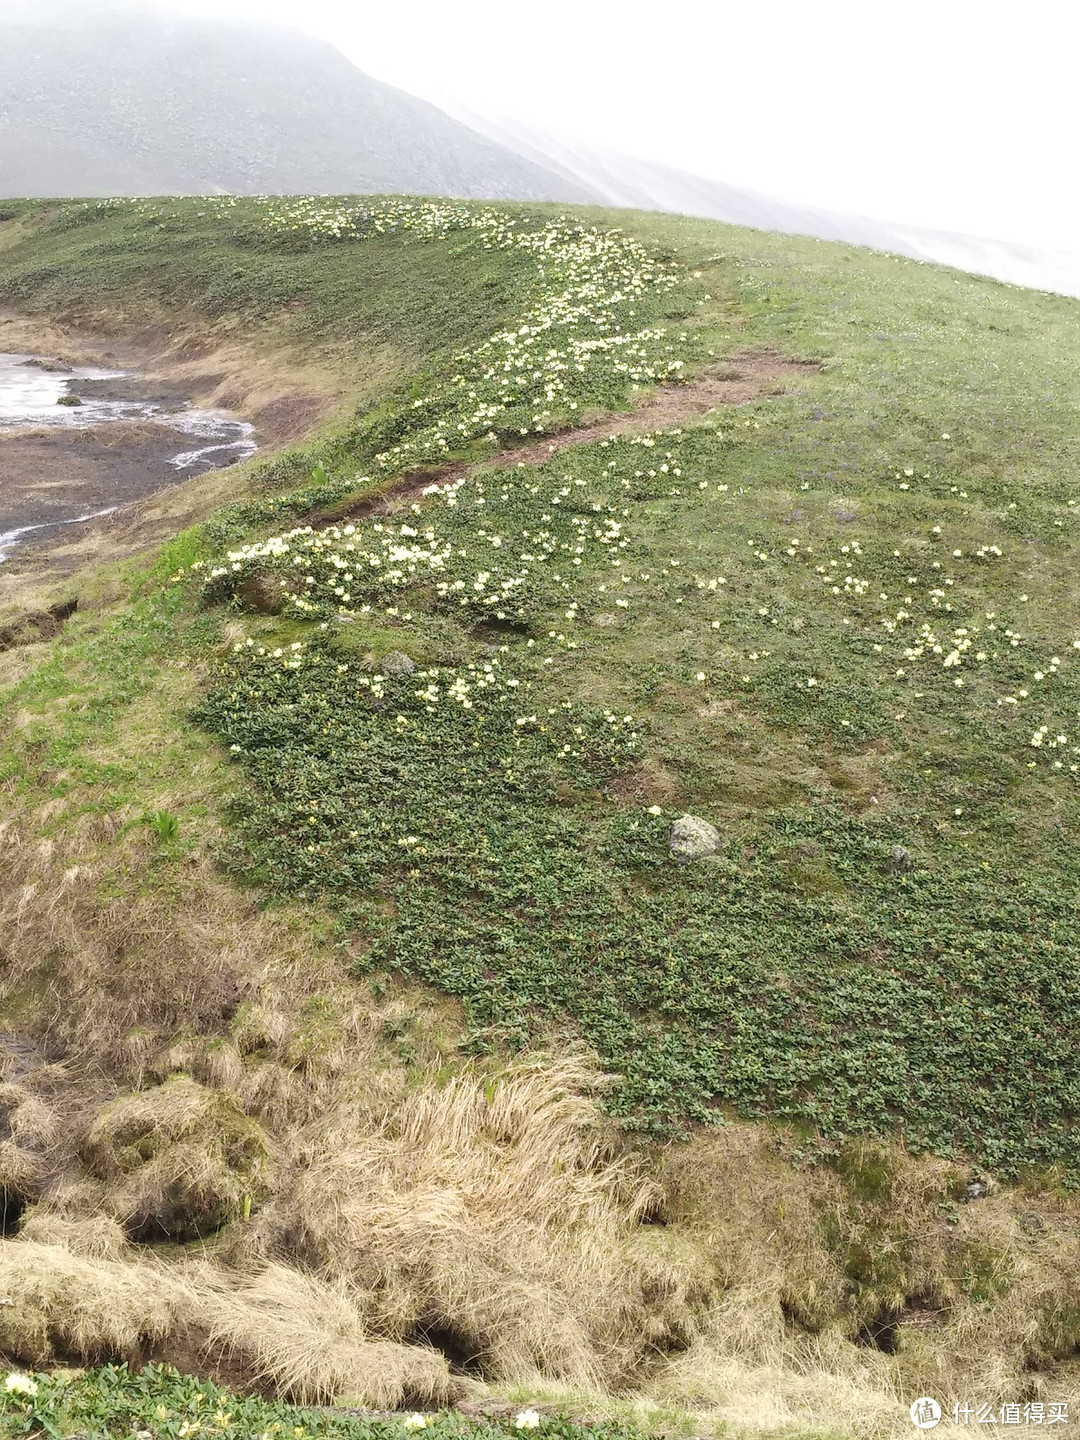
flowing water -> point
(57, 464)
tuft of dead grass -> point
(305, 1338)
(93, 1236)
(292, 1332)
(179, 1160)
(490, 1212)
(66, 1305)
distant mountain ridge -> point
(106, 99)
(109, 97)
(625, 181)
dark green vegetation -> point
(115, 1402)
(849, 626)
(164, 261)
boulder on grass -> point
(692, 838)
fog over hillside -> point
(644, 185)
(114, 98)
(104, 99)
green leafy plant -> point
(164, 824)
(114, 1402)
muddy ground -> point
(51, 475)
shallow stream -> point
(78, 442)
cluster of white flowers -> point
(574, 341)
(495, 573)
(19, 1384)
(484, 687)
(524, 1420)
(916, 623)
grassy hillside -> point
(326, 824)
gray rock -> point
(975, 1191)
(692, 838)
(900, 858)
(69, 400)
(397, 663)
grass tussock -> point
(306, 1338)
(280, 1330)
(71, 1306)
(179, 1160)
(411, 1214)
(98, 969)
(492, 1212)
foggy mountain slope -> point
(106, 99)
(623, 180)
(112, 98)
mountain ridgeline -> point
(116, 98)
(105, 100)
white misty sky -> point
(954, 114)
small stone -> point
(900, 858)
(69, 400)
(692, 838)
(975, 1191)
(397, 663)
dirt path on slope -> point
(731, 382)
(736, 381)
(31, 586)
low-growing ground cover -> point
(154, 263)
(870, 683)
(454, 732)
(115, 1402)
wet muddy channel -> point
(78, 442)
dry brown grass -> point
(66, 1304)
(178, 1160)
(492, 1211)
(94, 970)
(167, 1052)
(306, 1338)
(69, 1301)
